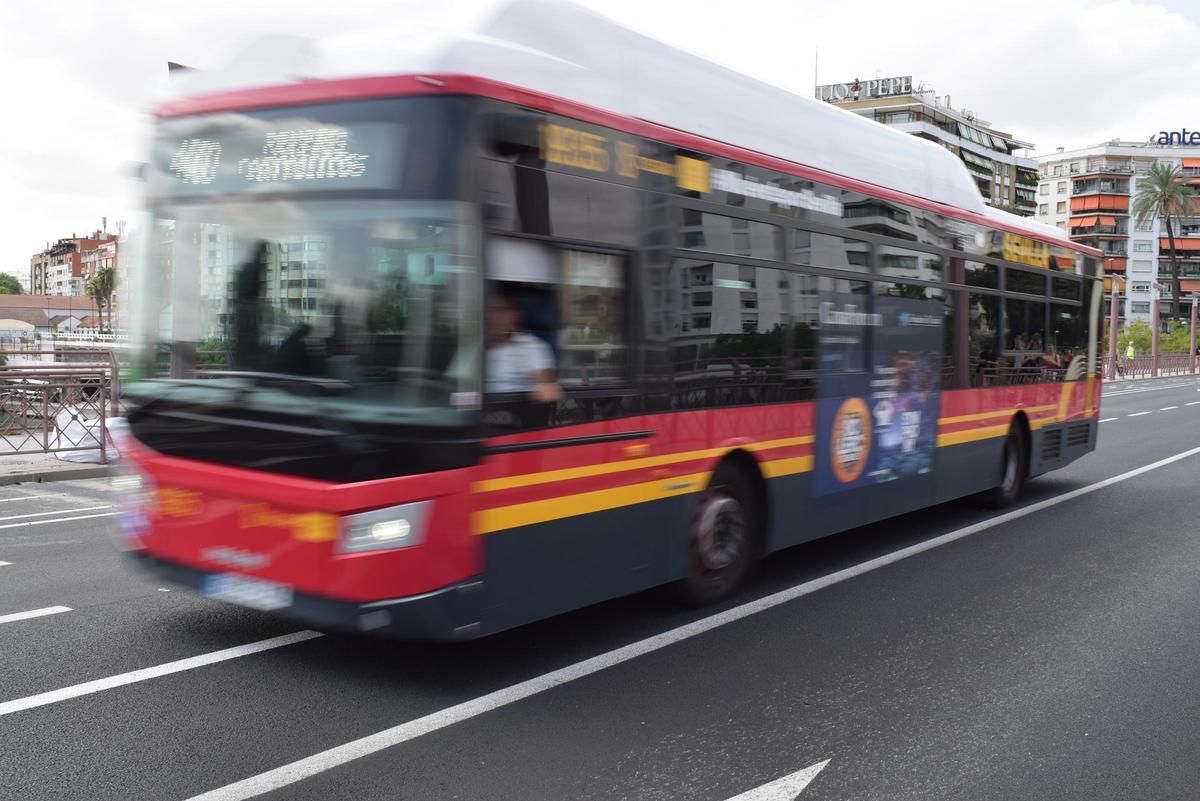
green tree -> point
(100, 288)
(1163, 192)
(9, 285)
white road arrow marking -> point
(784, 789)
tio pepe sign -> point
(865, 90)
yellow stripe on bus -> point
(587, 471)
(526, 514)
(972, 435)
(582, 503)
(987, 415)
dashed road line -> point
(5, 564)
(49, 610)
(30, 497)
(166, 669)
(307, 767)
(57, 520)
(1168, 408)
(1109, 419)
(1191, 403)
(56, 512)
(1138, 414)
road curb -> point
(59, 474)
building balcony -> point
(1102, 186)
(1098, 226)
(1185, 247)
(1118, 204)
(1105, 166)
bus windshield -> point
(317, 252)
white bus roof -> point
(558, 48)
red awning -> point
(1083, 222)
(1191, 162)
(1180, 243)
(1189, 284)
(1108, 220)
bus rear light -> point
(385, 529)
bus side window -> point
(984, 339)
(572, 302)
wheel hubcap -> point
(720, 532)
(1010, 467)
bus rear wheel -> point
(722, 538)
(1014, 469)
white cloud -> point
(79, 75)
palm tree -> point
(100, 289)
(1164, 192)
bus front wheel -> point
(721, 538)
(1014, 468)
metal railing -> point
(51, 406)
(1150, 366)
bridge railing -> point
(57, 406)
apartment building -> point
(1089, 193)
(59, 268)
(1003, 169)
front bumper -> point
(448, 613)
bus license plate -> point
(254, 593)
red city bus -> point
(434, 355)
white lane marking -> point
(56, 512)
(348, 752)
(5, 564)
(1138, 414)
(1146, 389)
(1108, 419)
(49, 610)
(30, 497)
(165, 669)
(57, 520)
(783, 789)
(1168, 408)
(1191, 403)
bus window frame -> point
(627, 386)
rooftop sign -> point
(865, 90)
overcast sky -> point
(79, 75)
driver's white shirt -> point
(511, 364)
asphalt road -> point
(950, 654)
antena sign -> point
(864, 90)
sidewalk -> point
(21, 468)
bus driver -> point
(517, 361)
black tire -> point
(723, 536)
(1014, 469)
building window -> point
(1060, 187)
(1143, 247)
(1139, 287)
(1061, 208)
(1043, 209)
(1141, 307)
(1044, 189)
(1148, 225)
(1142, 265)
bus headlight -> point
(384, 529)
